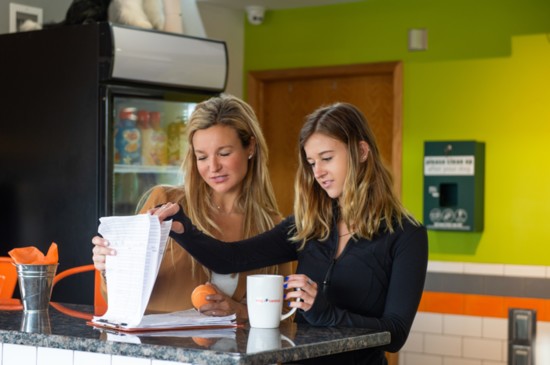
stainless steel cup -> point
(36, 322)
(35, 285)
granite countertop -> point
(245, 345)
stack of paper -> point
(196, 334)
(188, 319)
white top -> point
(226, 283)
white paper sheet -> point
(139, 241)
(190, 319)
(113, 335)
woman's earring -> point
(250, 156)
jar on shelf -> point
(127, 138)
(155, 142)
(176, 141)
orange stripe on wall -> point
(481, 305)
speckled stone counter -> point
(288, 343)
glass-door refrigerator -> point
(92, 117)
(148, 145)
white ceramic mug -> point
(266, 339)
(265, 300)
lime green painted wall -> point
(485, 77)
(504, 102)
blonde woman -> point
(362, 257)
(228, 195)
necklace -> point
(345, 234)
(220, 210)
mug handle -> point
(284, 338)
(286, 315)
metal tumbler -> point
(35, 285)
(36, 322)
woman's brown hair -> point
(368, 197)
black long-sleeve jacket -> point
(374, 283)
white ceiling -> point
(274, 4)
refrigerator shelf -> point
(141, 169)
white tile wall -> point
(526, 271)
(542, 349)
(419, 359)
(90, 358)
(18, 355)
(415, 342)
(504, 356)
(11, 354)
(485, 349)
(426, 322)
(445, 339)
(462, 325)
(49, 356)
(445, 266)
(495, 328)
(460, 361)
(123, 360)
(442, 345)
(465, 340)
(484, 269)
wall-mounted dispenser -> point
(522, 331)
(454, 185)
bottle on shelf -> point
(127, 138)
(176, 140)
(144, 124)
(156, 142)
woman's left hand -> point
(220, 305)
(305, 291)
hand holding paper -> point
(167, 210)
(140, 242)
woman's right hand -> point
(165, 211)
(100, 251)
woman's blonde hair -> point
(367, 198)
(256, 200)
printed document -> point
(140, 241)
(212, 335)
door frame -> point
(258, 79)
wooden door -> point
(282, 99)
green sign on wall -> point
(454, 185)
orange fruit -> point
(204, 342)
(198, 296)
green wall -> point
(485, 77)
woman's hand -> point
(220, 305)
(305, 291)
(100, 251)
(165, 211)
